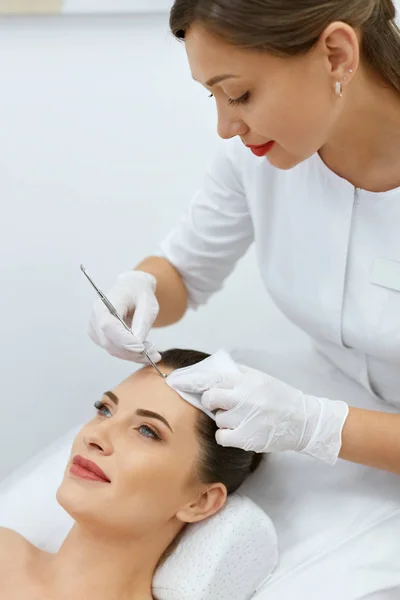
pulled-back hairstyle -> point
(230, 466)
(290, 27)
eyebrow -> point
(141, 412)
(218, 78)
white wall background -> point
(103, 140)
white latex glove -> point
(259, 413)
(133, 292)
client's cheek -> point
(190, 482)
(168, 485)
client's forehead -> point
(147, 389)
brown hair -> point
(290, 27)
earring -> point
(339, 85)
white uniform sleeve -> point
(214, 233)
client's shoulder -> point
(18, 559)
(8, 536)
(13, 545)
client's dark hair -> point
(230, 466)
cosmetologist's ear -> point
(341, 45)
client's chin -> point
(82, 498)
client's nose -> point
(99, 442)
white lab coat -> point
(329, 255)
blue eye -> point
(102, 409)
(150, 433)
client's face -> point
(143, 438)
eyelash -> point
(236, 101)
(99, 406)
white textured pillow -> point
(227, 557)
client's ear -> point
(209, 502)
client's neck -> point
(91, 564)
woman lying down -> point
(146, 466)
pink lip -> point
(261, 150)
(87, 469)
